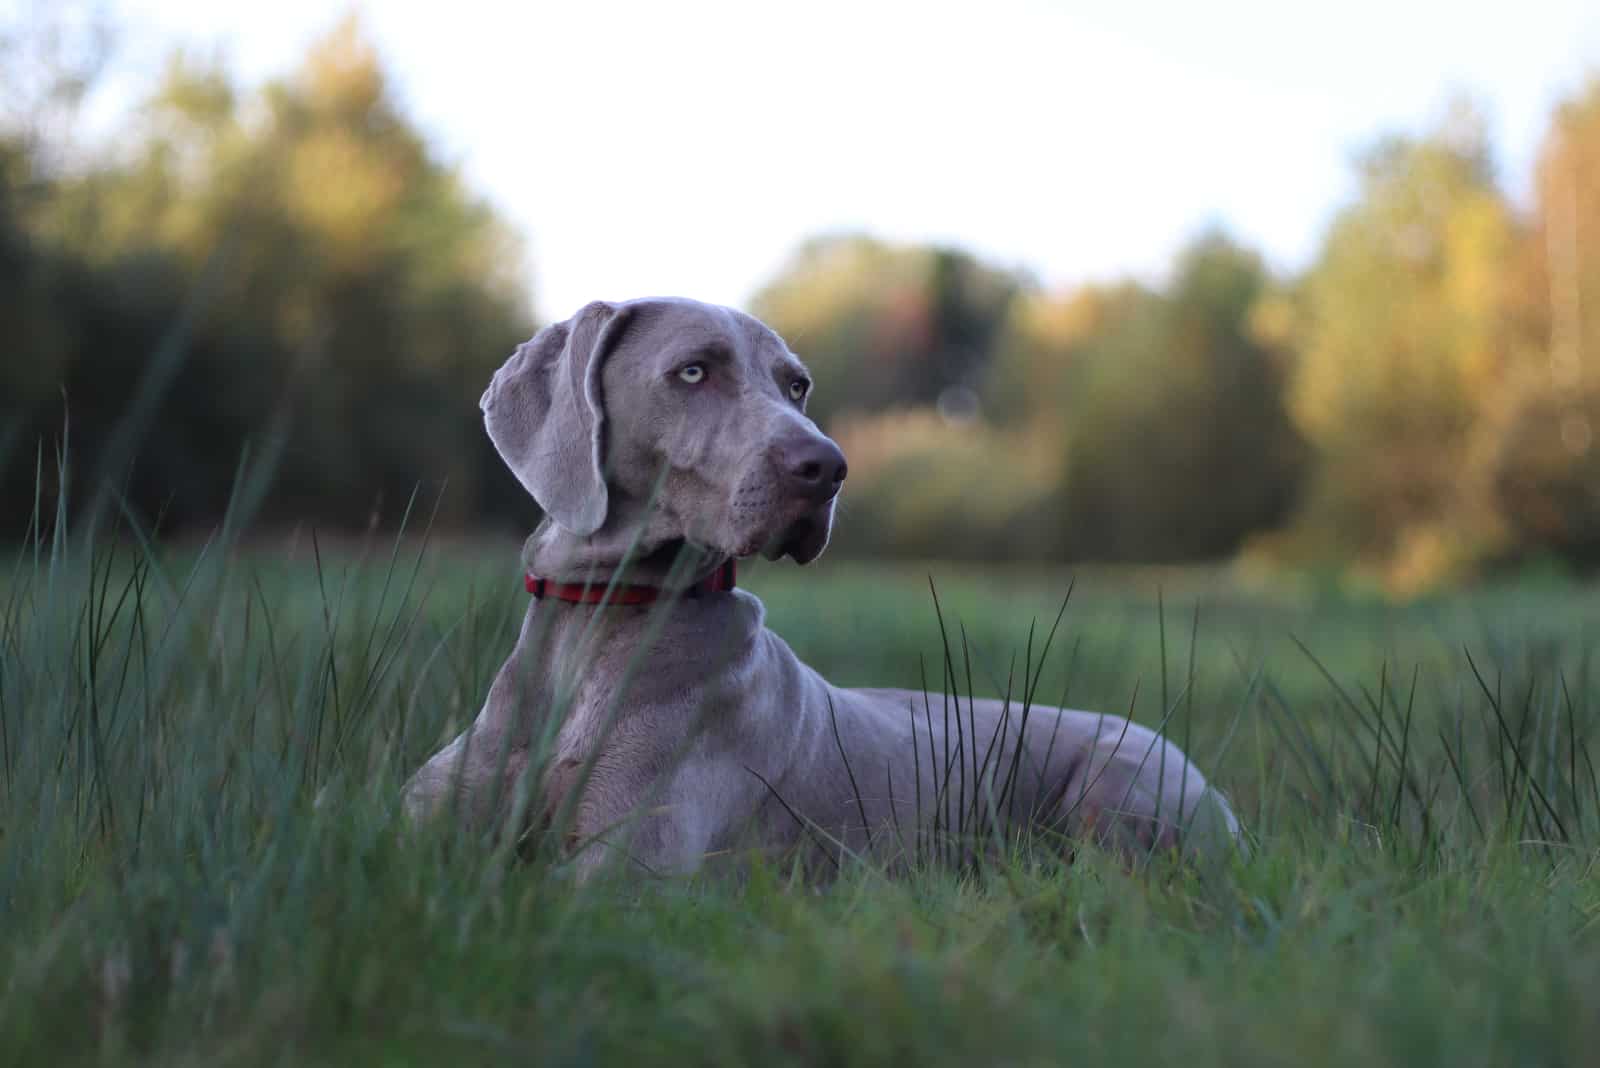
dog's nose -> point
(815, 468)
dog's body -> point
(663, 437)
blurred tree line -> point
(1421, 402)
(292, 268)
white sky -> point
(687, 147)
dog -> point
(645, 699)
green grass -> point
(1419, 892)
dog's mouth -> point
(803, 539)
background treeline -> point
(1421, 403)
(292, 269)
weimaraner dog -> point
(664, 438)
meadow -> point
(200, 861)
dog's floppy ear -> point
(544, 414)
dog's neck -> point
(628, 554)
(673, 635)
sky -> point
(689, 147)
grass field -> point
(1418, 782)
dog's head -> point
(685, 418)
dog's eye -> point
(694, 374)
(798, 389)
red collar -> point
(719, 581)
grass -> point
(1418, 781)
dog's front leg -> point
(476, 775)
(624, 828)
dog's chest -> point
(602, 750)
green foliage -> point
(1546, 478)
(291, 267)
(1562, 254)
(1542, 437)
(1402, 342)
(1416, 404)
(886, 326)
(1116, 424)
(200, 861)
(1178, 446)
(923, 486)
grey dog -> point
(667, 437)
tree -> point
(1544, 457)
(317, 266)
(1402, 342)
(886, 326)
(1168, 405)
